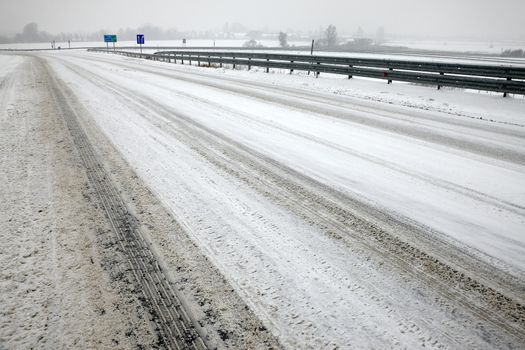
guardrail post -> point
(249, 63)
(220, 63)
(291, 69)
(198, 60)
(317, 73)
(267, 67)
(182, 59)
(389, 80)
(233, 62)
(189, 58)
(209, 61)
(505, 93)
(311, 62)
(439, 86)
(349, 75)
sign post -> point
(311, 53)
(110, 38)
(140, 41)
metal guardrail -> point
(497, 78)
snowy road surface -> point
(345, 214)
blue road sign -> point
(140, 39)
(110, 38)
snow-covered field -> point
(490, 47)
(288, 183)
(463, 49)
(446, 45)
(155, 43)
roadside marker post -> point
(140, 41)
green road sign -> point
(110, 38)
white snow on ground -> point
(347, 170)
(401, 97)
(55, 291)
(293, 276)
(8, 63)
(350, 167)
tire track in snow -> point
(430, 236)
(173, 324)
(465, 191)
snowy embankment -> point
(449, 161)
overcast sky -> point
(444, 18)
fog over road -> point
(255, 211)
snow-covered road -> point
(396, 222)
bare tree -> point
(331, 35)
(31, 34)
(252, 44)
(283, 39)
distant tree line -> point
(324, 38)
(31, 34)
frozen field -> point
(338, 213)
(490, 47)
(155, 43)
